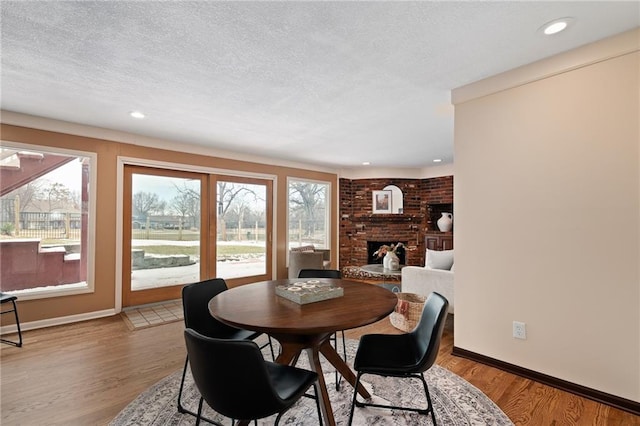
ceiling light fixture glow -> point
(555, 26)
(437, 160)
(137, 114)
(366, 163)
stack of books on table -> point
(309, 291)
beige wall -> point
(547, 208)
(103, 299)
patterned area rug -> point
(456, 402)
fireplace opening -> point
(373, 246)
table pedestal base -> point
(313, 346)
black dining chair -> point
(10, 298)
(195, 304)
(403, 355)
(328, 273)
(236, 381)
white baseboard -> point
(57, 321)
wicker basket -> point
(408, 311)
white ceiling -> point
(328, 83)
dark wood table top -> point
(257, 307)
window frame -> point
(89, 286)
(328, 209)
(124, 160)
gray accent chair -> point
(299, 260)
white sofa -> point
(427, 279)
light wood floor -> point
(85, 373)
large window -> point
(309, 216)
(45, 221)
(182, 227)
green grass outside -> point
(195, 251)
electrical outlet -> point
(519, 330)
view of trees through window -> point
(308, 213)
(45, 204)
(166, 239)
(165, 203)
(242, 229)
(165, 230)
(44, 218)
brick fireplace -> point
(424, 201)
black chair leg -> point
(183, 410)
(355, 396)
(15, 313)
(426, 391)
(273, 356)
(344, 352)
(270, 344)
(199, 411)
(424, 411)
(277, 422)
(334, 339)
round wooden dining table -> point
(305, 327)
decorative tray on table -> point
(309, 291)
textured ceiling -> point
(330, 83)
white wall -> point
(547, 207)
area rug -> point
(456, 402)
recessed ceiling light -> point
(137, 114)
(556, 26)
(437, 160)
(365, 163)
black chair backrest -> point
(195, 303)
(319, 273)
(232, 376)
(428, 332)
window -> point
(243, 217)
(45, 221)
(309, 213)
(165, 234)
(185, 226)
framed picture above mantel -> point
(381, 201)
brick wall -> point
(424, 200)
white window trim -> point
(89, 286)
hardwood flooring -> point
(85, 373)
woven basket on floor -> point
(408, 311)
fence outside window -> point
(43, 225)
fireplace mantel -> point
(393, 218)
